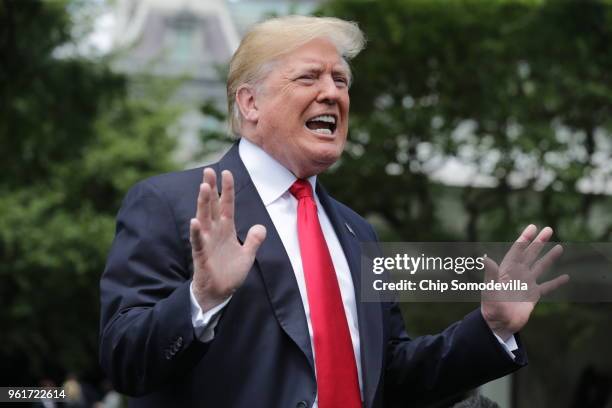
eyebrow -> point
(318, 67)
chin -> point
(325, 158)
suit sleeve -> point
(146, 333)
(428, 368)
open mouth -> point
(323, 124)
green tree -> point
(73, 141)
(519, 91)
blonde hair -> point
(268, 41)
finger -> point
(491, 273)
(528, 233)
(227, 194)
(535, 247)
(210, 177)
(195, 236)
(203, 209)
(522, 241)
(491, 270)
(544, 263)
(254, 238)
(553, 284)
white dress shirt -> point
(272, 182)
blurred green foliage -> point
(519, 91)
(72, 142)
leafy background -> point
(521, 91)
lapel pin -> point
(348, 227)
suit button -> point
(302, 404)
(179, 341)
(168, 354)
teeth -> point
(324, 118)
(323, 131)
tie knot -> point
(301, 189)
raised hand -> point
(506, 313)
(220, 262)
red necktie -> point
(337, 382)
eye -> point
(341, 81)
(307, 78)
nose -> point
(329, 92)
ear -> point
(245, 100)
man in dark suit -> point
(236, 285)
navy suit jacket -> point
(261, 354)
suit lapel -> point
(369, 313)
(279, 279)
(272, 259)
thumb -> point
(491, 273)
(254, 238)
(491, 270)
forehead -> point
(318, 54)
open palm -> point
(220, 261)
(506, 312)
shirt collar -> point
(271, 179)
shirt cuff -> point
(204, 323)
(509, 345)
